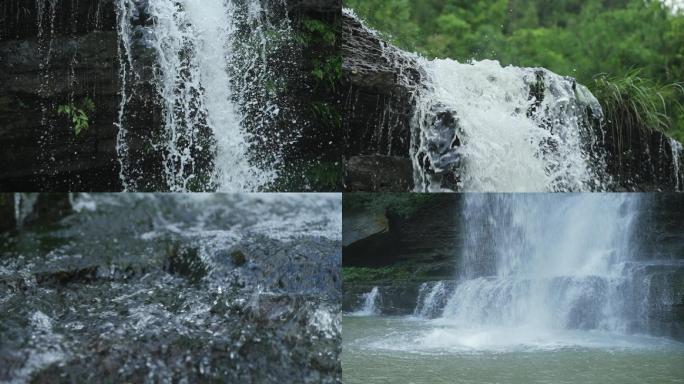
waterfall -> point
(23, 207)
(555, 262)
(203, 61)
(431, 299)
(369, 306)
(483, 127)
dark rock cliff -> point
(52, 53)
(379, 81)
(57, 53)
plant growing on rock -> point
(78, 114)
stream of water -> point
(505, 129)
(210, 73)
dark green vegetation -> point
(78, 114)
(626, 51)
(391, 204)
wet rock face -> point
(378, 173)
(38, 73)
(63, 52)
(7, 218)
(427, 237)
(643, 160)
(139, 288)
(379, 81)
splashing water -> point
(484, 127)
(23, 207)
(200, 62)
(369, 307)
(550, 263)
(431, 299)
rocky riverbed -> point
(174, 288)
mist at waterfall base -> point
(550, 288)
(173, 288)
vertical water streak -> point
(553, 262)
(23, 207)
(211, 56)
(124, 15)
(369, 303)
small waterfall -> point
(555, 262)
(23, 207)
(370, 300)
(203, 62)
(431, 299)
(483, 127)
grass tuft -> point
(637, 104)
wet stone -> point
(141, 288)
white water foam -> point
(197, 58)
(369, 306)
(505, 139)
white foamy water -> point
(547, 271)
(549, 262)
(369, 303)
(198, 54)
(440, 336)
(505, 137)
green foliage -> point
(579, 38)
(317, 31)
(375, 275)
(328, 70)
(309, 176)
(327, 115)
(78, 114)
(636, 103)
(321, 38)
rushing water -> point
(369, 303)
(546, 284)
(211, 75)
(173, 288)
(505, 129)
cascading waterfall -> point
(483, 127)
(369, 306)
(198, 74)
(431, 299)
(550, 262)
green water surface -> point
(405, 350)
